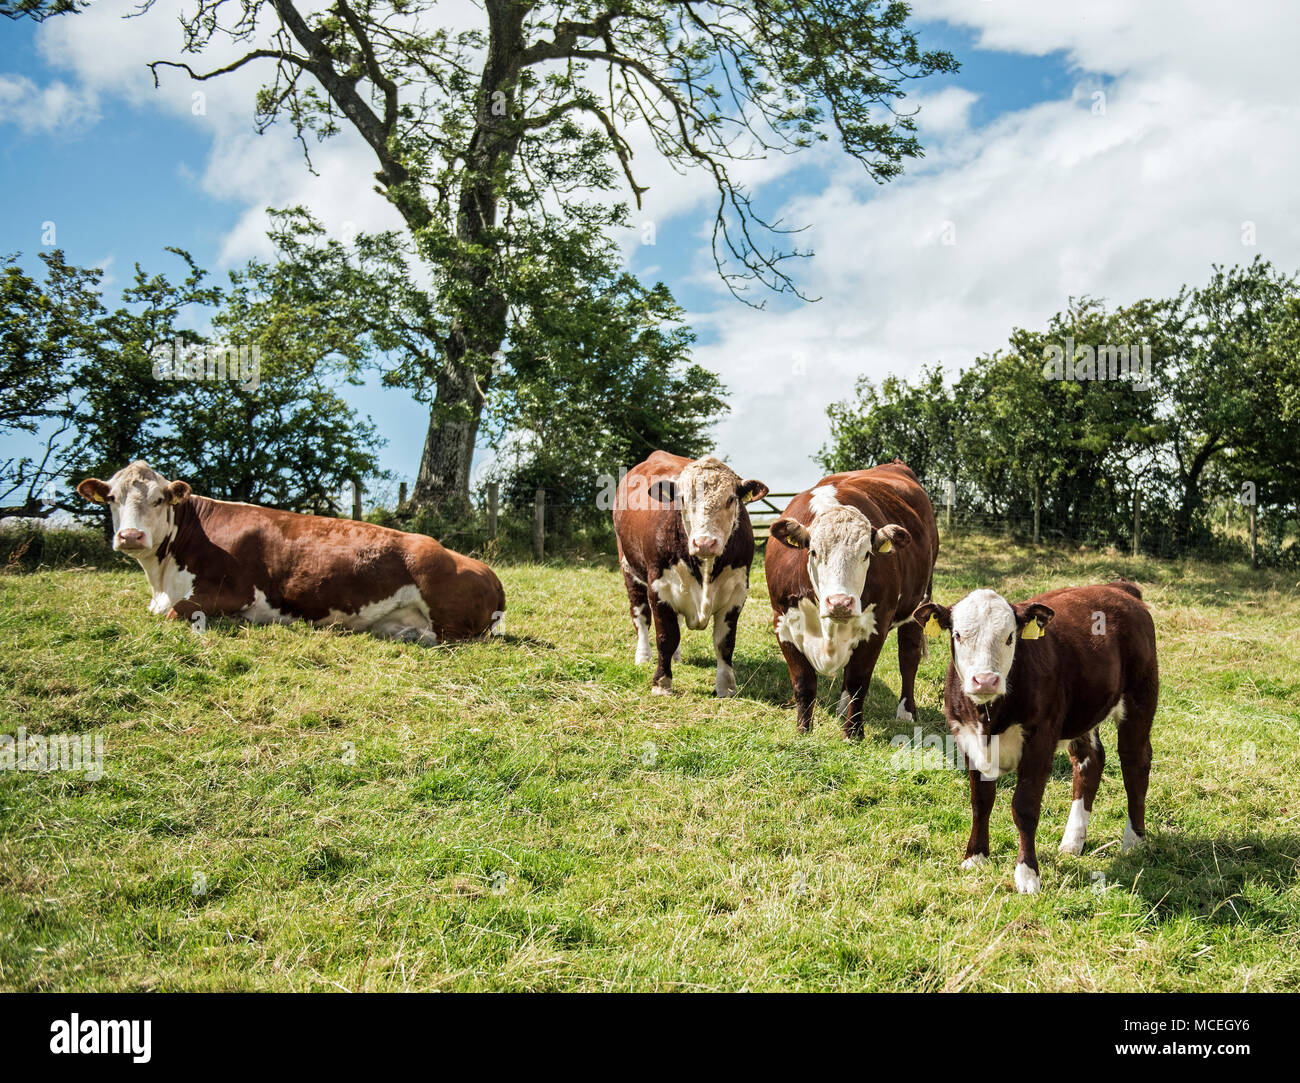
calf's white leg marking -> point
(642, 622)
(974, 861)
(1131, 837)
(1027, 881)
(902, 713)
(1076, 828)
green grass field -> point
(288, 808)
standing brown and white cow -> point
(1010, 703)
(685, 544)
(856, 558)
(268, 566)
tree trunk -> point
(476, 335)
(1192, 498)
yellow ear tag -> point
(1032, 630)
(885, 546)
(932, 627)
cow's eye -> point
(956, 637)
(157, 502)
(730, 500)
(1009, 638)
(812, 553)
(110, 499)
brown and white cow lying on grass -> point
(847, 561)
(685, 545)
(1024, 678)
(268, 566)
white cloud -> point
(55, 107)
(944, 112)
(1043, 203)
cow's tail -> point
(1128, 586)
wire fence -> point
(553, 530)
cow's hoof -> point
(1072, 844)
(663, 688)
(1027, 881)
(643, 659)
(974, 861)
(1130, 840)
(725, 692)
(903, 714)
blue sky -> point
(1044, 196)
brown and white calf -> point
(685, 544)
(1026, 678)
(267, 566)
(853, 557)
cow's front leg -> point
(857, 680)
(804, 679)
(724, 646)
(911, 646)
(1026, 806)
(668, 635)
(983, 792)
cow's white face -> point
(983, 628)
(710, 494)
(840, 542)
(142, 503)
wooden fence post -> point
(401, 494)
(539, 523)
(1036, 510)
(492, 495)
(952, 499)
(1137, 520)
(1254, 537)
(356, 499)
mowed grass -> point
(289, 808)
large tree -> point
(483, 137)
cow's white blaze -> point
(826, 643)
(708, 490)
(140, 501)
(983, 643)
(839, 550)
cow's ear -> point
(934, 619)
(891, 537)
(178, 491)
(1032, 618)
(751, 490)
(664, 491)
(792, 532)
(94, 490)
